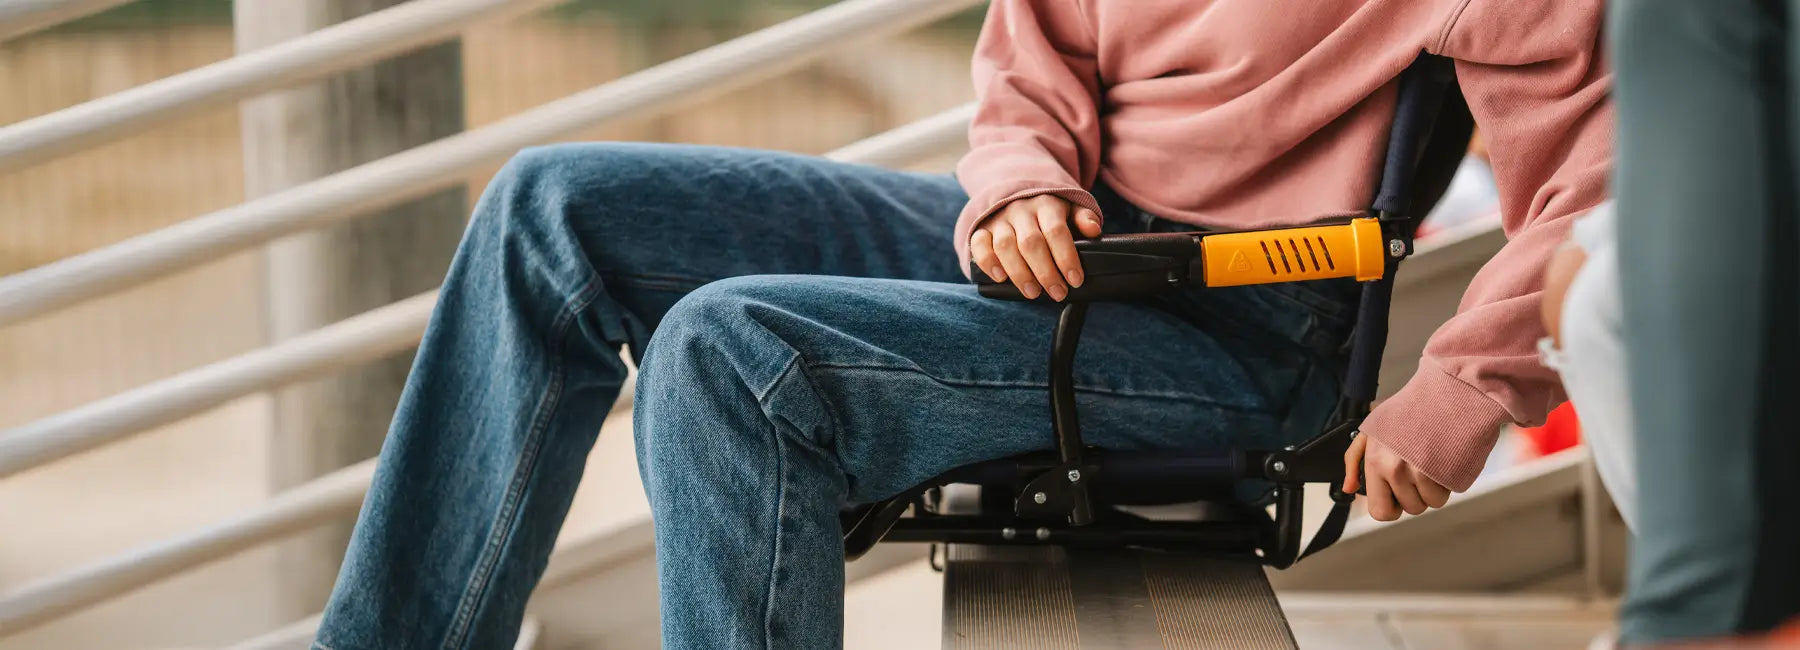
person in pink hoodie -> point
(806, 337)
(1256, 114)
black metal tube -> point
(1368, 341)
(1282, 551)
(1065, 421)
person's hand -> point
(1558, 275)
(1394, 485)
(1029, 241)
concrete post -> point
(316, 278)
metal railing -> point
(299, 635)
(361, 40)
(21, 17)
(366, 337)
(359, 339)
(334, 497)
(419, 171)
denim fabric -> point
(804, 340)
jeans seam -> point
(479, 582)
(781, 490)
(1035, 385)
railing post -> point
(317, 278)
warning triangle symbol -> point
(1239, 262)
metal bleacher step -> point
(1051, 598)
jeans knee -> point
(726, 338)
(540, 178)
(713, 321)
(549, 203)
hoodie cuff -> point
(1440, 424)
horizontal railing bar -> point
(293, 636)
(21, 17)
(329, 498)
(366, 337)
(358, 339)
(908, 144)
(299, 634)
(360, 40)
(421, 170)
(608, 554)
(322, 500)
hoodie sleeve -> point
(1537, 84)
(1036, 129)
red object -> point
(1561, 430)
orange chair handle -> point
(1355, 249)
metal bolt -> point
(1043, 534)
(1008, 533)
(1396, 248)
(1074, 476)
(1173, 278)
(1040, 498)
(1279, 467)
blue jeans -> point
(804, 340)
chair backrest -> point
(1429, 138)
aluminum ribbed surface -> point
(1210, 603)
(1003, 598)
(1046, 598)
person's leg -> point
(574, 251)
(1705, 182)
(766, 402)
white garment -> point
(1471, 195)
(1592, 358)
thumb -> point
(1087, 222)
(1353, 461)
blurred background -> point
(201, 481)
(176, 478)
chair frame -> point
(1053, 493)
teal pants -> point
(1709, 252)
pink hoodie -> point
(1254, 113)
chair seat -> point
(1164, 485)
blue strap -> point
(1423, 142)
(1423, 87)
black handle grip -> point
(1119, 266)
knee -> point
(733, 336)
(719, 319)
(704, 352)
(527, 195)
(538, 180)
(552, 200)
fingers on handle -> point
(1381, 499)
(1353, 464)
(1036, 252)
(1434, 493)
(1406, 493)
(981, 252)
(1006, 247)
(1062, 244)
(1087, 222)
